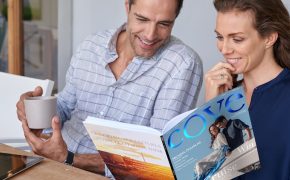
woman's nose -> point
(226, 48)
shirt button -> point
(101, 113)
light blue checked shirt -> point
(149, 92)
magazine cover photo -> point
(214, 142)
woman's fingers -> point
(222, 65)
(218, 80)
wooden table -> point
(50, 170)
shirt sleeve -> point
(66, 99)
(240, 124)
(179, 93)
(222, 139)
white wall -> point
(195, 25)
(65, 39)
(91, 16)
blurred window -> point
(40, 38)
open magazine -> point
(215, 141)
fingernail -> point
(56, 119)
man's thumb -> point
(37, 91)
(56, 127)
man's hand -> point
(53, 148)
(248, 131)
(20, 106)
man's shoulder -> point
(236, 120)
(178, 51)
(95, 44)
(100, 37)
(178, 46)
(239, 123)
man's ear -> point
(271, 39)
(127, 6)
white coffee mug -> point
(40, 111)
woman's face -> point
(238, 40)
(214, 130)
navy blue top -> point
(270, 115)
(234, 133)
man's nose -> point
(151, 32)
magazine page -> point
(130, 151)
(216, 141)
(174, 121)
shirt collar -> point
(111, 46)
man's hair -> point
(220, 119)
(268, 16)
(178, 8)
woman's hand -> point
(218, 80)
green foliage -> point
(26, 12)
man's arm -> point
(90, 162)
(243, 126)
(249, 133)
(66, 99)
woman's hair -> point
(269, 16)
(212, 136)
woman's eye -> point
(238, 40)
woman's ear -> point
(271, 39)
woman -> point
(207, 166)
(254, 38)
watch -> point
(70, 158)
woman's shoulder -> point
(283, 80)
(221, 135)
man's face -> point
(221, 124)
(149, 25)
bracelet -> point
(70, 158)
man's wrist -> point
(69, 158)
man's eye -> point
(220, 38)
(165, 24)
(141, 19)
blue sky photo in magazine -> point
(216, 141)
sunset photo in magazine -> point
(214, 141)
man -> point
(233, 131)
(136, 74)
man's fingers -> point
(37, 91)
(21, 115)
(20, 104)
(34, 141)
